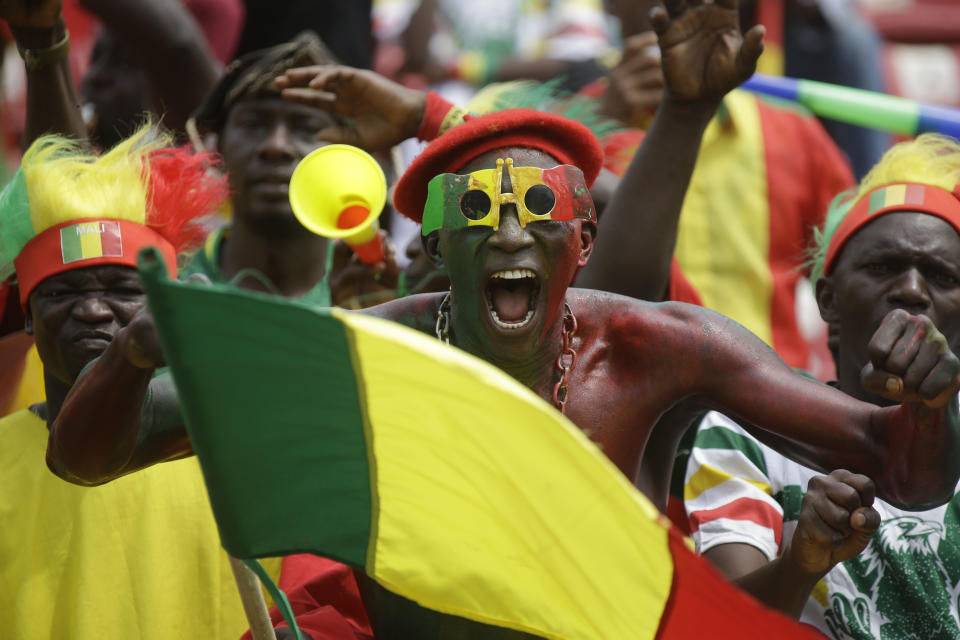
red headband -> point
(86, 243)
(894, 197)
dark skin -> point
(704, 56)
(115, 91)
(636, 361)
(609, 394)
(262, 140)
(616, 394)
(52, 102)
(895, 280)
(169, 52)
(635, 85)
(688, 104)
(152, 57)
(73, 317)
(624, 380)
(160, 34)
(908, 261)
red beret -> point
(566, 140)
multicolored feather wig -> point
(546, 97)
(619, 142)
(66, 209)
(918, 175)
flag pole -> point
(254, 604)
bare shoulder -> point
(417, 312)
(626, 318)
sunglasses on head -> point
(456, 201)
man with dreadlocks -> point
(889, 250)
(71, 225)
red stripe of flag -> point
(677, 512)
(110, 239)
(915, 194)
(703, 604)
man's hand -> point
(910, 361)
(837, 520)
(139, 344)
(355, 285)
(704, 55)
(636, 83)
(138, 340)
(379, 113)
(31, 14)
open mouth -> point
(512, 297)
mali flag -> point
(438, 475)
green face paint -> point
(457, 201)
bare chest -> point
(615, 405)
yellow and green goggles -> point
(456, 201)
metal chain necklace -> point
(565, 361)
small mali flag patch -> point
(896, 195)
(91, 239)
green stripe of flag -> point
(254, 514)
(878, 200)
(70, 244)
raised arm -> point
(118, 417)
(375, 112)
(909, 450)
(52, 102)
(704, 57)
(170, 48)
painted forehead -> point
(522, 157)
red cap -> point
(566, 140)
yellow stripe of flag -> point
(90, 245)
(521, 541)
(895, 195)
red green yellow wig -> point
(67, 209)
(919, 175)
